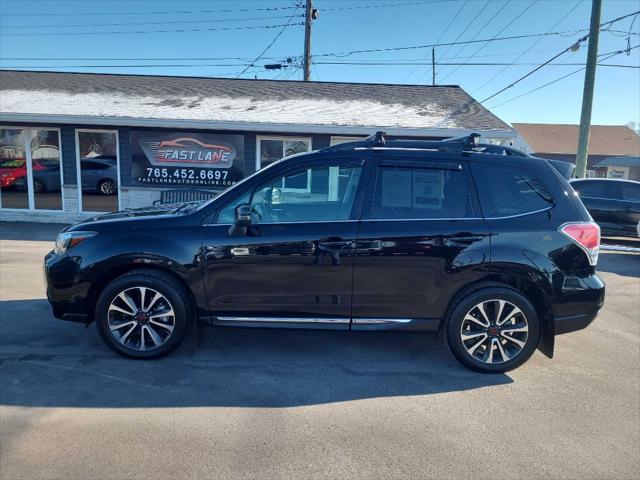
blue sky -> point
(78, 29)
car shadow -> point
(48, 362)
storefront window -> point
(98, 170)
(13, 169)
(46, 181)
(273, 149)
(30, 175)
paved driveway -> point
(309, 404)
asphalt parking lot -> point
(307, 404)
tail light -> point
(586, 235)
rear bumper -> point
(581, 307)
(574, 322)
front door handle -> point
(465, 238)
(335, 243)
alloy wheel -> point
(494, 331)
(107, 187)
(141, 318)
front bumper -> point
(68, 297)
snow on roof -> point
(241, 100)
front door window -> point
(318, 193)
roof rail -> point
(377, 140)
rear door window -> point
(506, 190)
(414, 192)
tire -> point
(107, 187)
(149, 337)
(507, 346)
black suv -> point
(494, 251)
(614, 204)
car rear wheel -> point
(493, 329)
(143, 314)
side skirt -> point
(323, 323)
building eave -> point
(346, 130)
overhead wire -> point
(608, 56)
(491, 19)
(275, 39)
(443, 33)
(528, 49)
(462, 32)
(482, 46)
(571, 47)
(135, 32)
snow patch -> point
(241, 109)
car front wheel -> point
(493, 329)
(143, 314)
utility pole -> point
(587, 93)
(308, 14)
(433, 65)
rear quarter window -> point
(507, 190)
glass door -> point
(98, 170)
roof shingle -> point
(242, 100)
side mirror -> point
(243, 221)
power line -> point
(247, 59)
(571, 47)
(251, 65)
(444, 32)
(461, 64)
(164, 12)
(482, 28)
(557, 80)
(233, 10)
(462, 32)
(181, 30)
(530, 47)
(514, 20)
(444, 44)
(124, 24)
(275, 39)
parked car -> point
(381, 235)
(98, 175)
(613, 204)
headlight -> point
(67, 240)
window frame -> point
(340, 160)
(79, 173)
(434, 162)
(29, 164)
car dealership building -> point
(73, 144)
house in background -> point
(614, 151)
